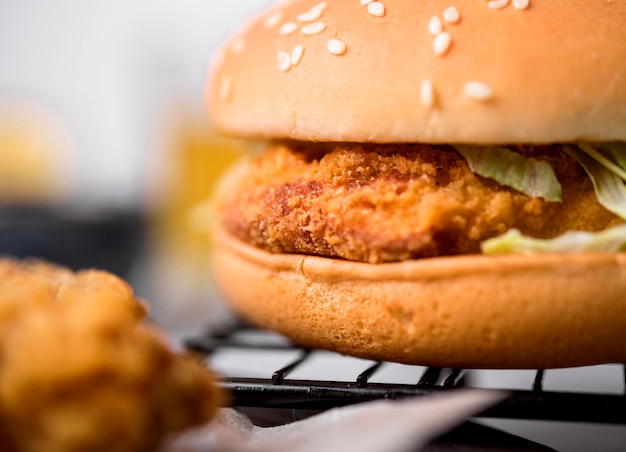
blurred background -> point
(106, 153)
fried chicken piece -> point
(384, 203)
(80, 372)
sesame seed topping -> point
(497, 4)
(366, 2)
(336, 47)
(272, 20)
(478, 91)
(521, 4)
(321, 6)
(376, 9)
(427, 93)
(312, 14)
(451, 15)
(225, 88)
(220, 56)
(288, 28)
(284, 61)
(442, 43)
(238, 45)
(296, 55)
(314, 28)
(435, 26)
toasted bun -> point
(556, 72)
(540, 312)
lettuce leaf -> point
(529, 176)
(605, 163)
(617, 151)
(609, 157)
(609, 186)
(611, 240)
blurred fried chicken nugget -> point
(79, 371)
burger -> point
(439, 183)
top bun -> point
(554, 71)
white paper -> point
(379, 426)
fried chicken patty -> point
(385, 203)
(79, 371)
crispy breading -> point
(384, 203)
(80, 371)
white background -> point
(107, 70)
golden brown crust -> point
(542, 311)
(78, 371)
(555, 69)
(33, 284)
(382, 203)
(551, 73)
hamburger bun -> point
(474, 311)
(376, 81)
(556, 72)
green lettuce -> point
(605, 164)
(611, 156)
(529, 176)
(608, 183)
(610, 241)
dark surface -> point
(273, 394)
(467, 437)
(320, 395)
(280, 391)
(107, 240)
(474, 437)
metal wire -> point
(278, 391)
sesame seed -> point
(322, 6)
(427, 93)
(220, 56)
(451, 15)
(376, 9)
(238, 45)
(366, 2)
(478, 91)
(225, 88)
(336, 47)
(435, 26)
(314, 28)
(284, 61)
(288, 28)
(272, 20)
(521, 4)
(296, 55)
(442, 43)
(312, 14)
(497, 4)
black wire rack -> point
(279, 391)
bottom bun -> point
(515, 311)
